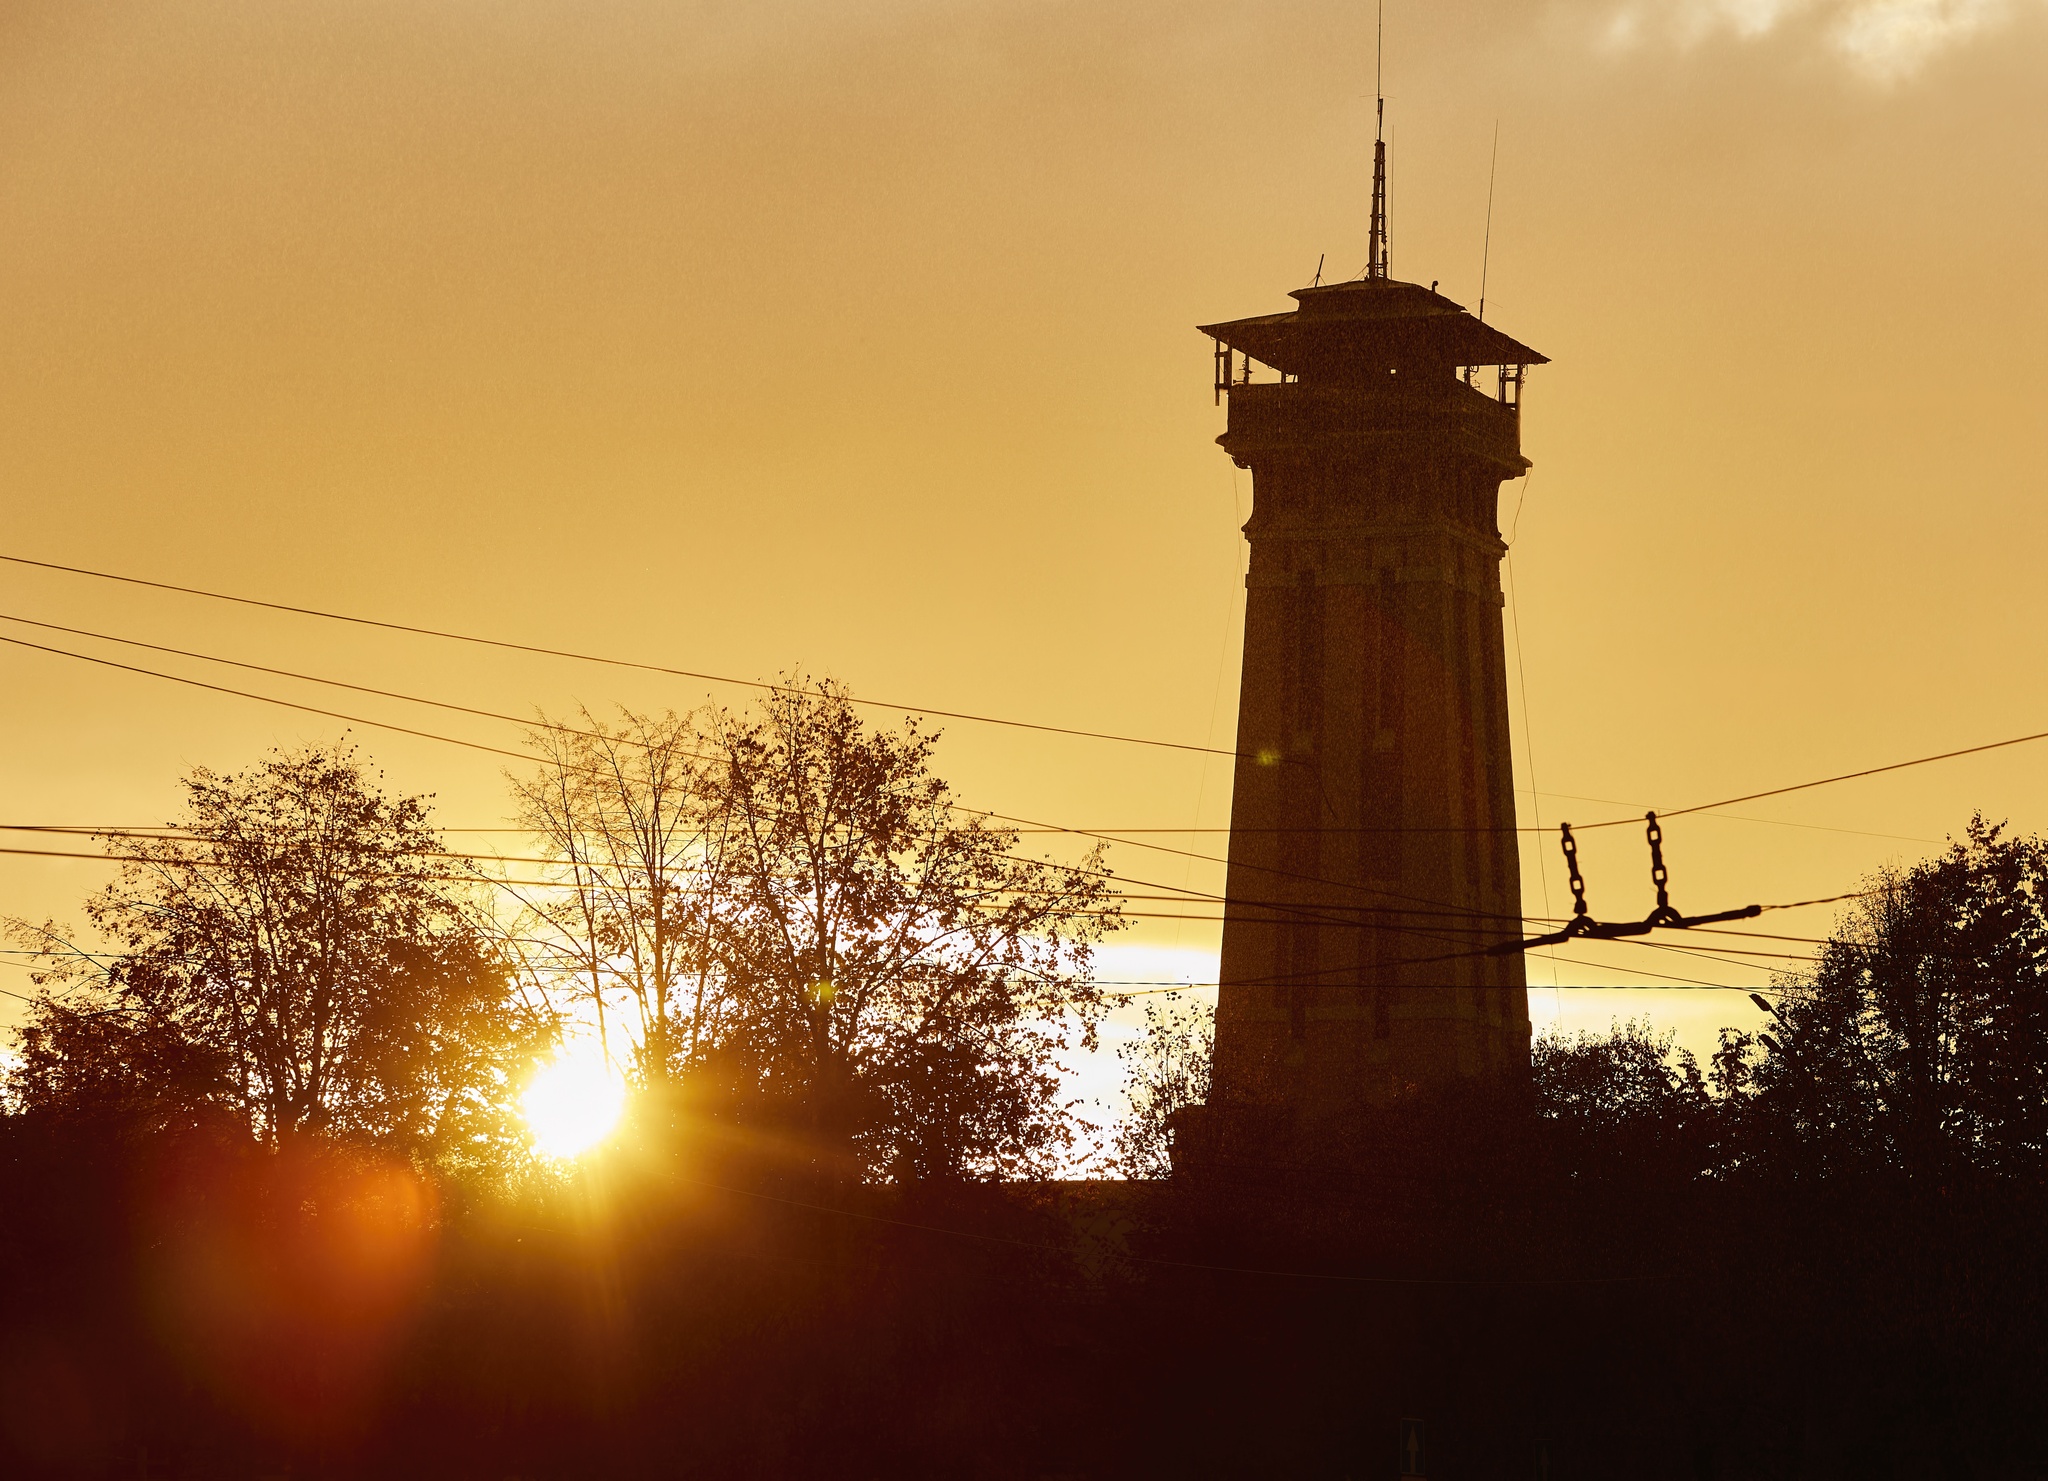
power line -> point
(513, 719)
(1114, 912)
(1746, 818)
(1004, 817)
(1828, 781)
(596, 868)
(478, 878)
(481, 878)
(540, 723)
(1299, 912)
(1035, 826)
(1397, 962)
(1351, 885)
(268, 699)
(652, 668)
(1307, 910)
(1141, 989)
(1155, 984)
(911, 708)
(1664, 977)
(1106, 835)
(526, 757)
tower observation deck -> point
(1372, 848)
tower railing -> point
(1272, 415)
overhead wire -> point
(488, 879)
(1101, 835)
(1827, 781)
(529, 758)
(653, 668)
(1156, 983)
(496, 750)
(1747, 818)
(1393, 963)
(1152, 989)
(534, 722)
(1114, 912)
(924, 709)
(1185, 894)
(765, 686)
(1294, 911)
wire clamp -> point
(1582, 924)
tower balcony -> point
(1440, 412)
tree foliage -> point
(1918, 1043)
(1915, 1047)
(298, 952)
(1165, 1068)
(626, 812)
(801, 916)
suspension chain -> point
(1659, 875)
(1582, 922)
(1571, 862)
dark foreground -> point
(185, 1305)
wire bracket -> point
(1582, 925)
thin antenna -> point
(1319, 270)
(1376, 259)
(1486, 251)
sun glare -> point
(572, 1104)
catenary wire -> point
(1151, 985)
(946, 714)
(652, 668)
(493, 880)
(497, 715)
(526, 757)
(1306, 908)
(1187, 894)
(1036, 823)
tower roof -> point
(1353, 327)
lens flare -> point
(572, 1104)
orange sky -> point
(860, 338)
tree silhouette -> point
(809, 932)
(1624, 1104)
(300, 953)
(890, 961)
(1918, 1044)
(628, 813)
(1165, 1068)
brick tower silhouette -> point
(1372, 847)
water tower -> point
(1372, 848)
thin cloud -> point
(1893, 38)
(1884, 40)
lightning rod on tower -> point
(1376, 257)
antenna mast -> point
(1486, 248)
(1376, 259)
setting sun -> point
(572, 1104)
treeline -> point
(267, 1204)
(1817, 1253)
(784, 906)
(266, 1208)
